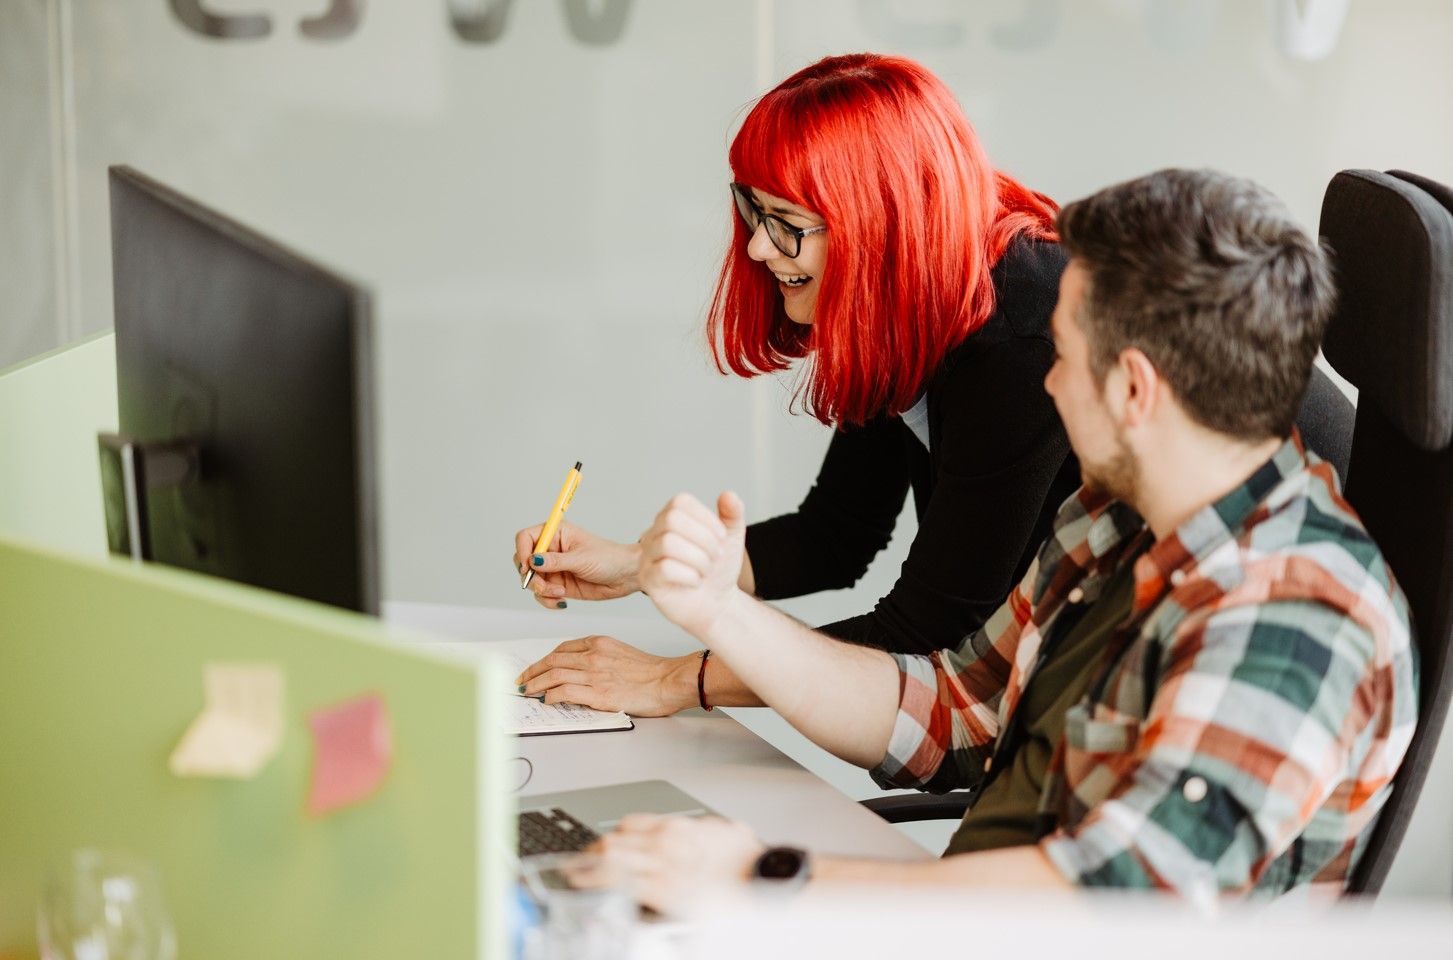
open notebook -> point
(529, 717)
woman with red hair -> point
(875, 243)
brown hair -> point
(1210, 277)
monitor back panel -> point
(263, 358)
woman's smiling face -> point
(797, 277)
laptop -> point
(571, 820)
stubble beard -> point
(1117, 476)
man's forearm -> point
(1009, 868)
(747, 578)
(842, 697)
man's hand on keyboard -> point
(680, 862)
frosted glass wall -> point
(33, 318)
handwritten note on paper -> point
(530, 715)
(240, 727)
(352, 750)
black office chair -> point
(1392, 336)
(1325, 421)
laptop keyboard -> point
(552, 831)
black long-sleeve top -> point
(997, 468)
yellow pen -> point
(557, 513)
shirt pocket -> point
(1100, 745)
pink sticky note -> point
(352, 749)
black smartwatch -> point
(782, 868)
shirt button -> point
(1194, 790)
(1177, 577)
(1076, 595)
(988, 762)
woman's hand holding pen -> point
(578, 566)
(691, 559)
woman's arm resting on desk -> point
(607, 674)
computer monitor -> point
(251, 367)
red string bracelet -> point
(701, 681)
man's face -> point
(1098, 439)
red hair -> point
(916, 216)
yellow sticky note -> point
(240, 727)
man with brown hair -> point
(1205, 681)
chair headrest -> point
(1391, 334)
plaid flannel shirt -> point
(1247, 720)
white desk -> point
(709, 755)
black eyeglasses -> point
(784, 236)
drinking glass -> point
(590, 910)
(104, 905)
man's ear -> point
(1139, 387)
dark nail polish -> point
(560, 605)
(522, 688)
(539, 560)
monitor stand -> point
(129, 469)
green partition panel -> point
(101, 672)
(51, 409)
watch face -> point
(780, 863)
